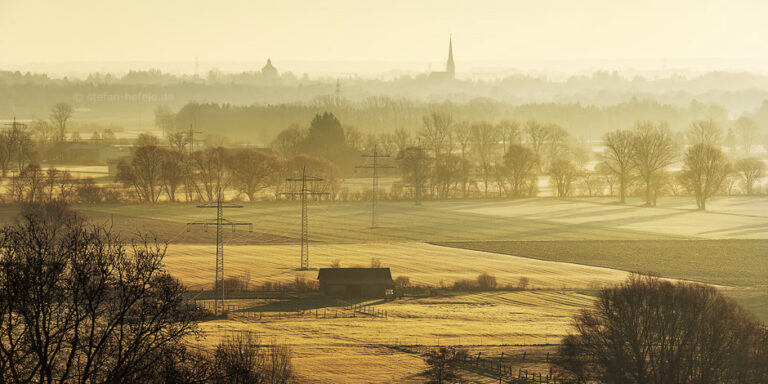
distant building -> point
(356, 282)
(450, 67)
(269, 73)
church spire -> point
(450, 67)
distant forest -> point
(247, 107)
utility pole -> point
(375, 166)
(16, 124)
(191, 139)
(219, 222)
(304, 193)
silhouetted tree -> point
(751, 170)
(704, 170)
(252, 171)
(60, 115)
(172, 171)
(437, 132)
(648, 330)
(563, 172)
(143, 173)
(520, 164)
(415, 169)
(619, 158)
(77, 305)
(653, 150)
(244, 359)
(485, 139)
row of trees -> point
(154, 171)
(645, 154)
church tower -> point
(450, 67)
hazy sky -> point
(393, 30)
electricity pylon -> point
(219, 222)
(375, 166)
(304, 193)
(191, 139)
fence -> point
(348, 311)
(509, 373)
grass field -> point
(360, 349)
(423, 263)
(566, 248)
(725, 262)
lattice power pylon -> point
(304, 193)
(375, 166)
(219, 223)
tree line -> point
(445, 158)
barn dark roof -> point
(355, 275)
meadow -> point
(566, 249)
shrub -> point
(486, 282)
(402, 283)
(375, 262)
(522, 283)
(244, 359)
(336, 263)
(302, 284)
(465, 285)
(443, 364)
(652, 331)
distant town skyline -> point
(38, 31)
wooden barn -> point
(356, 282)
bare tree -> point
(751, 170)
(28, 186)
(520, 164)
(705, 168)
(649, 330)
(618, 157)
(557, 142)
(209, 168)
(704, 132)
(485, 139)
(563, 172)
(77, 305)
(143, 173)
(653, 150)
(6, 151)
(437, 132)
(288, 142)
(415, 169)
(509, 131)
(172, 171)
(402, 138)
(251, 171)
(245, 359)
(60, 115)
(747, 132)
(537, 136)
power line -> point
(219, 222)
(304, 192)
(375, 166)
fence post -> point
(501, 360)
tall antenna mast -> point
(304, 193)
(219, 222)
(375, 167)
